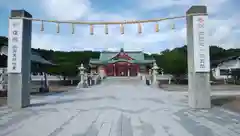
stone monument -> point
(19, 62)
(198, 58)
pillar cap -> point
(197, 9)
(20, 13)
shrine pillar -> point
(102, 71)
(114, 69)
(138, 70)
(128, 71)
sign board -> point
(15, 45)
(201, 45)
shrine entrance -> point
(121, 69)
(126, 69)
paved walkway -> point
(118, 107)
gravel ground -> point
(118, 107)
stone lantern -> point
(154, 72)
(81, 69)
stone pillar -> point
(149, 76)
(198, 58)
(85, 80)
(101, 72)
(91, 79)
(19, 62)
(46, 83)
(169, 80)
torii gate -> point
(19, 50)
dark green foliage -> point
(3, 41)
(174, 61)
(67, 62)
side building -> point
(38, 69)
(122, 63)
(223, 68)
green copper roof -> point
(106, 57)
(121, 60)
(131, 61)
(137, 55)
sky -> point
(224, 23)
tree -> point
(173, 62)
(66, 70)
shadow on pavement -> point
(220, 101)
(47, 93)
(70, 100)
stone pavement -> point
(118, 107)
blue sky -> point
(224, 23)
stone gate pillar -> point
(19, 62)
(198, 58)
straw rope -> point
(108, 22)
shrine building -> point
(122, 63)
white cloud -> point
(66, 9)
(222, 32)
(157, 4)
(221, 29)
(49, 41)
(213, 6)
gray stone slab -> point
(117, 107)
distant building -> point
(223, 68)
(35, 57)
(39, 78)
(122, 63)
